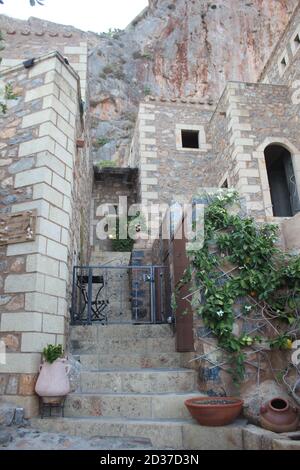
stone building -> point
(248, 139)
(45, 175)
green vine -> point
(8, 95)
(106, 164)
(134, 224)
(101, 142)
(261, 276)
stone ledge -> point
(255, 438)
(177, 434)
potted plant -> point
(53, 381)
(214, 411)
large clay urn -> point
(278, 415)
(53, 382)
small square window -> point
(190, 139)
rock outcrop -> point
(174, 48)
(179, 48)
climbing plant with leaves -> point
(6, 94)
(261, 277)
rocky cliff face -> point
(174, 48)
(179, 48)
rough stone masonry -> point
(179, 86)
(41, 171)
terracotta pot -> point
(278, 415)
(214, 411)
(53, 381)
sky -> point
(88, 15)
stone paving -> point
(26, 438)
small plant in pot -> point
(53, 382)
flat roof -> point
(126, 174)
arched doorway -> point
(282, 182)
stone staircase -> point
(133, 386)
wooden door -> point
(176, 261)
(184, 314)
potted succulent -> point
(53, 382)
(214, 411)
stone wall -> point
(168, 171)
(42, 170)
(29, 39)
(290, 231)
(218, 134)
(108, 191)
(283, 63)
(248, 119)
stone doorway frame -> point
(259, 154)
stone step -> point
(138, 381)
(97, 332)
(123, 346)
(122, 338)
(128, 405)
(114, 258)
(130, 361)
(163, 434)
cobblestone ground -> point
(29, 439)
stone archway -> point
(282, 183)
(263, 171)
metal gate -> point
(118, 294)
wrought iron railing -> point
(119, 294)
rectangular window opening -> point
(190, 139)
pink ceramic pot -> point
(53, 380)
